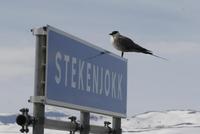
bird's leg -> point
(122, 54)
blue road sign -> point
(82, 76)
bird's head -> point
(114, 33)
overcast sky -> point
(168, 28)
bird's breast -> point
(115, 44)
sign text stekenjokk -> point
(97, 79)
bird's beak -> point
(110, 33)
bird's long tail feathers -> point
(151, 53)
(159, 57)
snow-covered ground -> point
(167, 122)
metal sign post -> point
(85, 122)
(116, 125)
(40, 61)
(75, 74)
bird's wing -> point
(127, 45)
(124, 43)
(131, 46)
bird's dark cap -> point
(114, 32)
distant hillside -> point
(166, 119)
(7, 119)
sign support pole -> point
(116, 125)
(40, 61)
(85, 122)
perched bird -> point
(125, 44)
